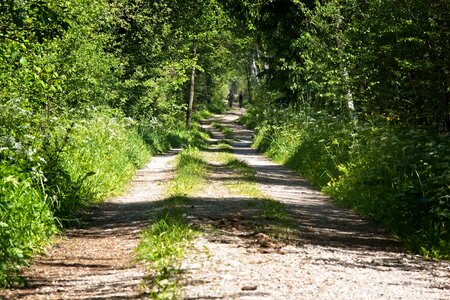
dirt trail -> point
(96, 262)
(336, 255)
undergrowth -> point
(49, 174)
(395, 174)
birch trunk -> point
(191, 94)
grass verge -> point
(393, 173)
(59, 170)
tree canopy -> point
(143, 68)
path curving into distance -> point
(336, 253)
(333, 254)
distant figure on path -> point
(230, 98)
(241, 100)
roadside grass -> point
(201, 114)
(80, 160)
(163, 245)
(393, 173)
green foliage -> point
(225, 148)
(26, 221)
(397, 58)
(399, 176)
(90, 70)
(100, 155)
(374, 56)
(164, 241)
(47, 178)
(31, 20)
(82, 83)
(356, 97)
(202, 114)
(156, 41)
(395, 174)
(162, 139)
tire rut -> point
(97, 261)
(336, 253)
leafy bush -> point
(26, 222)
(395, 174)
(48, 173)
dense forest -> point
(354, 95)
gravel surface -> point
(336, 254)
(96, 262)
(332, 254)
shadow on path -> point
(96, 261)
(320, 221)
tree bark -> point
(249, 78)
(191, 94)
(340, 46)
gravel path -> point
(333, 254)
(336, 255)
(97, 262)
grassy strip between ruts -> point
(273, 217)
(164, 243)
(227, 132)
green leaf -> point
(23, 61)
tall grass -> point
(395, 174)
(56, 171)
(26, 222)
(93, 159)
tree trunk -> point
(191, 94)
(249, 78)
(344, 72)
(446, 111)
